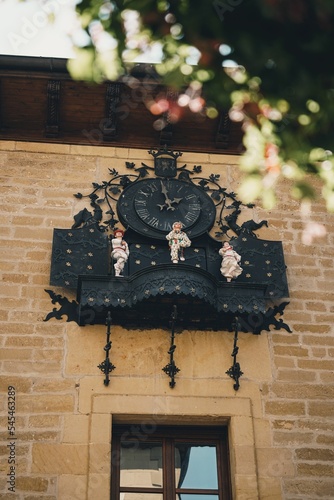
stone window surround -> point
(170, 410)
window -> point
(170, 463)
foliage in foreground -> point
(269, 62)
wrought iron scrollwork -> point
(67, 308)
(171, 369)
(106, 194)
(235, 371)
(106, 366)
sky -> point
(46, 28)
(37, 28)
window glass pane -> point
(195, 467)
(140, 496)
(141, 465)
(196, 497)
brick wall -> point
(299, 401)
(288, 379)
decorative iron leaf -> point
(81, 217)
(97, 213)
(184, 175)
(214, 177)
(197, 169)
(96, 185)
(93, 196)
(111, 223)
(124, 181)
(67, 308)
(78, 195)
(203, 183)
(215, 195)
(130, 164)
(114, 190)
(113, 172)
(142, 171)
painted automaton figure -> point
(230, 267)
(177, 241)
(120, 251)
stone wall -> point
(281, 419)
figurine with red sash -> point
(120, 251)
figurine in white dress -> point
(230, 267)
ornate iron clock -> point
(148, 200)
(151, 206)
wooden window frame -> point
(168, 436)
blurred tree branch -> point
(270, 62)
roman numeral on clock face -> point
(154, 222)
(143, 213)
(190, 216)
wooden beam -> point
(166, 134)
(109, 126)
(53, 101)
(223, 131)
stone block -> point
(45, 403)
(99, 458)
(171, 405)
(316, 454)
(310, 391)
(98, 486)
(73, 487)
(43, 147)
(7, 145)
(244, 457)
(270, 488)
(318, 470)
(59, 458)
(100, 428)
(262, 433)
(245, 487)
(21, 384)
(309, 488)
(292, 438)
(76, 429)
(275, 462)
(44, 421)
(32, 484)
(241, 431)
(285, 408)
(296, 376)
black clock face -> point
(151, 206)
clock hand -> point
(165, 193)
(163, 206)
(168, 202)
(175, 200)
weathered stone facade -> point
(280, 421)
